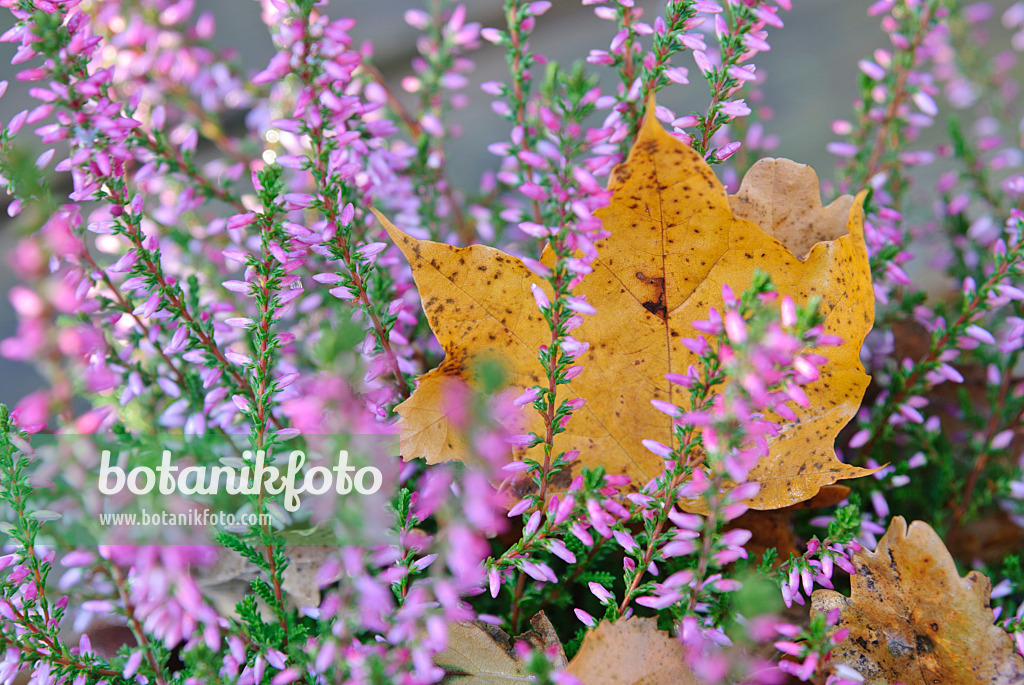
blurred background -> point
(811, 79)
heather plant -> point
(205, 249)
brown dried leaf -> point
(783, 198)
(482, 654)
(914, 620)
(631, 652)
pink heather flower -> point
(980, 334)
(602, 594)
(598, 518)
(532, 524)
(585, 618)
(573, 347)
(520, 507)
(667, 408)
(131, 666)
(538, 570)
(735, 108)
(516, 466)
(735, 327)
(536, 230)
(663, 451)
(726, 151)
(660, 601)
(860, 438)
(626, 541)
(527, 397)
(678, 75)
(580, 305)
(842, 149)
(703, 63)
(558, 548)
(925, 103)
(1003, 439)
(541, 299)
(871, 69)
(564, 510)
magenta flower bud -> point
(573, 347)
(342, 293)
(827, 565)
(663, 451)
(787, 595)
(980, 334)
(842, 562)
(372, 249)
(536, 267)
(520, 508)
(735, 327)
(807, 581)
(577, 529)
(860, 438)
(543, 303)
(131, 666)
(539, 571)
(736, 537)
(580, 305)
(678, 75)
(565, 509)
(925, 103)
(726, 151)
(687, 121)
(573, 371)
(626, 541)
(602, 593)
(516, 466)
(659, 602)
(527, 397)
(585, 618)
(678, 548)
(871, 70)
(532, 524)
(880, 505)
(703, 63)
(494, 581)
(667, 408)
(558, 548)
(1002, 439)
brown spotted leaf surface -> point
(914, 620)
(631, 652)
(482, 654)
(676, 238)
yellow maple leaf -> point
(676, 238)
(914, 620)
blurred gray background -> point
(811, 71)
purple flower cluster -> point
(215, 269)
